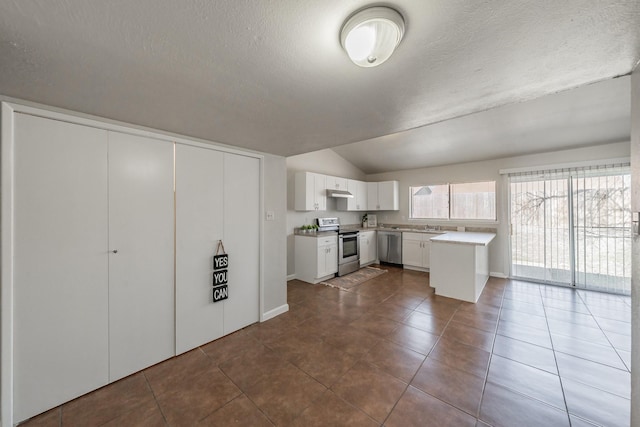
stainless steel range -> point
(348, 245)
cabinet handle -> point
(115, 251)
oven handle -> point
(348, 234)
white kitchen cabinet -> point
(359, 200)
(336, 183)
(368, 247)
(383, 196)
(310, 192)
(416, 250)
(141, 257)
(316, 257)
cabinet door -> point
(372, 196)
(412, 252)
(320, 191)
(388, 196)
(321, 260)
(242, 218)
(141, 276)
(367, 247)
(373, 246)
(304, 193)
(352, 203)
(331, 264)
(336, 183)
(361, 196)
(426, 251)
(60, 306)
(199, 226)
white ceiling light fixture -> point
(370, 36)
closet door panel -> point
(242, 240)
(60, 263)
(199, 227)
(141, 272)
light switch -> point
(271, 216)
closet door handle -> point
(115, 251)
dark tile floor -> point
(389, 352)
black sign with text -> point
(220, 293)
(220, 277)
(220, 261)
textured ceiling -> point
(271, 75)
(595, 114)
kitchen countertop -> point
(398, 229)
(315, 233)
(465, 238)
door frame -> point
(8, 108)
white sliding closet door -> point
(141, 230)
(242, 240)
(199, 226)
(60, 264)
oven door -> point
(348, 247)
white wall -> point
(326, 162)
(275, 240)
(487, 171)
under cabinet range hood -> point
(339, 193)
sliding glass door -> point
(540, 230)
(572, 227)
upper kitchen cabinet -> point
(310, 192)
(336, 183)
(359, 200)
(383, 196)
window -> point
(471, 201)
(430, 201)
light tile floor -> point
(390, 352)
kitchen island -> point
(460, 264)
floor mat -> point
(353, 279)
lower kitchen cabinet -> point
(416, 250)
(368, 247)
(316, 257)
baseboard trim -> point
(291, 277)
(498, 275)
(411, 267)
(275, 312)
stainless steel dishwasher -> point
(390, 247)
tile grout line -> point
(423, 362)
(493, 344)
(155, 399)
(604, 333)
(555, 358)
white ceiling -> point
(595, 114)
(271, 75)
